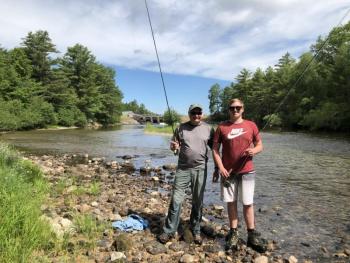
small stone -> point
(66, 224)
(57, 229)
(347, 251)
(211, 248)
(84, 208)
(115, 217)
(219, 208)
(117, 256)
(261, 259)
(168, 167)
(178, 246)
(324, 249)
(263, 209)
(147, 210)
(292, 259)
(221, 254)
(340, 255)
(122, 243)
(155, 248)
(59, 170)
(94, 204)
(305, 244)
(187, 258)
(155, 193)
(155, 178)
(208, 230)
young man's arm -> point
(258, 147)
(218, 160)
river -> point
(302, 187)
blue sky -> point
(200, 43)
(146, 87)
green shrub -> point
(71, 116)
(327, 116)
(15, 115)
(273, 120)
(171, 117)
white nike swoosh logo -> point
(230, 136)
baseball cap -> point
(193, 106)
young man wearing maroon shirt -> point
(240, 141)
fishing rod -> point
(160, 68)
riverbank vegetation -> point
(158, 129)
(22, 191)
(279, 96)
(39, 88)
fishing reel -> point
(227, 182)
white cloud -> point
(214, 38)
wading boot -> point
(165, 237)
(197, 239)
(231, 240)
(256, 242)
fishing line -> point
(296, 83)
(303, 72)
(160, 68)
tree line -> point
(320, 100)
(38, 87)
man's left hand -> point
(249, 152)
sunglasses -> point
(196, 113)
(237, 108)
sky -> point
(200, 43)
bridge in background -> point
(143, 118)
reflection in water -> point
(302, 187)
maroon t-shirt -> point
(235, 139)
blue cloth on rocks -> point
(133, 222)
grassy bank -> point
(22, 191)
(158, 129)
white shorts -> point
(243, 184)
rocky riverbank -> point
(87, 195)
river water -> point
(302, 186)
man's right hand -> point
(174, 145)
(216, 175)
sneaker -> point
(165, 237)
(197, 239)
(256, 242)
(231, 240)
